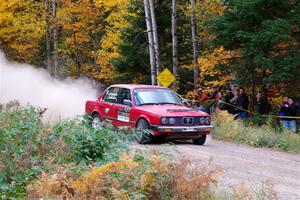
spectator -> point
(242, 102)
(200, 97)
(261, 107)
(228, 97)
(284, 104)
(233, 101)
(212, 98)
(217, 103)
(260, 104)
(289, 110)
(214, 92)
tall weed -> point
(228, 129)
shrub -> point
(29, 147)
(229, 129)
(82, 144)
(22, 148)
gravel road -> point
(244, 164)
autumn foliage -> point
(215, 69)
(133, 178)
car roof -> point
(136, 86)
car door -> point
(107, 105)
(122, 111)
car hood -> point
(171, 110)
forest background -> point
(253, 43)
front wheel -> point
(144, 134)
(96, 121)
(200, 141)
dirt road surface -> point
(243, 164)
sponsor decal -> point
(127, 109)
(123, 116)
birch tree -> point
(194, 41)
(174, 41)
(150, 41)
(155, 38)
(48, 47)
(55, 39)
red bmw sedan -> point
(157, 112)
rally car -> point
(156, 112)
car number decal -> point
(123, 116)
(106, 110)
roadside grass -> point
(228, 129)
(70, 160)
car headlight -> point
(202, 120)
(207, 121)
(172, 120)
(163, 120)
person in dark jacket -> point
(289, 110)
(242, 102)
(228, 97)
(260, 104)
(284, 104)
(261, 107)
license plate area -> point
(189, 130)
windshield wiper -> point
(160, 103)
(143, 104)
(169, 103)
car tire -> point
(96, 121)
(200, 141)
(144, 136)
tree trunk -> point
(253, 84)
(96, 48)
(55, 40)
(151, 42)
(48, 47)
(194, 39)
(174, 42)
(77, 55)
(155, 38)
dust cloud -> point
(32, 86)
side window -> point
(112, 95)
(124, 94)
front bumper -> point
(182, 129)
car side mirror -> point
(127, 102)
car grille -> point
(191, 121)
(187, 120)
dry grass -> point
(151, 178)
(228, 129)
(193, 182)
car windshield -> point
(156, 96)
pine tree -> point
(266, 33)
